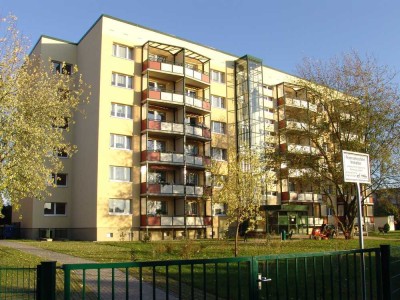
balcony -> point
(293, 125)
(165, 189)
(193, 221)
(301, 197)
(167, 96)
(299, 149)
(175, 158)
(163, 127)
(197, 104)
(164, 157)
(197, 77)
(165, 66)
(198, 131)
(298, 103)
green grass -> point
(201, 249)
(14, 258)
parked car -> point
(323, 232)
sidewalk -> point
(92, 276)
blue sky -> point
(280, 32)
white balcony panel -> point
(190, 190)
(268, 115)
(177, 69)
(198, 131)
(166, 67)
(178, 189)
(178, 127)
(166, 221)
(198, 103)
(177, 98)
(199, 190)
(189, 129)
(189, 100)
(198, 160)
(190, 221)
(179, 221)
(178, 158)
(189, 72)
(197, 75)
(190, 159)
(309, 197)
(166, 96)
(267, 92)
(166, 157)
(166, 189)
(166, 126)
(199, 221)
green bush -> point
(386, 228)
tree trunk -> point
(237, 239)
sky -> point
(280, 32)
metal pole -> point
(361, 239)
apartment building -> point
(161, 108)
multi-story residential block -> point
(161, 108)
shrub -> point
(386, 228)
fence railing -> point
(325, 275)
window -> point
(157, 177)
(155, 115)
(54, 209)
(121, 80)
(59, 179)
(120, 141)
(63, 68)
(191, 149)
(119, 207)
(157, 208)
(191, 93)
(120, 173)
(218, 127)
(191, 208)
(217, 101)
(62, 153)
(219, 209)
(218, 153)
(121, 111)
(122, 51)
(192, 179)
(218, 76)
(155, 145)
(155, 86)
(157, 57)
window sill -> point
(119, 214)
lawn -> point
(201, 249)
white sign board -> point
(356, 167)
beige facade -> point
(160, 108)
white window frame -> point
(157, 115)
(191, 208)
(116, 51)
(53, 207)
(219, 153)
(218, 102)
(217, 76)
(222, 207)
(220, 129)
(117, 171)
(60, 175)
(125, 144)
(156, 145)
(122, 80)
(112, 206)
(127, 111)
(62, 67)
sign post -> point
(356, 169)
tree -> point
(36, 103)
(243, 187)
(358, 110)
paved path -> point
(91, 276)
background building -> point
(161, 108)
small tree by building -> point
(242, 188)
(37, 104)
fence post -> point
(386, 277)
(46, 281)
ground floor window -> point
(119, 206)
(55, 209)
(219, 209)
